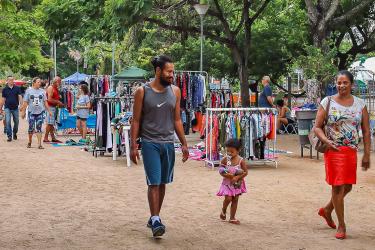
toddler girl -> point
(234, 170)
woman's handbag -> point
(314, 140)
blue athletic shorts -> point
(158, 161)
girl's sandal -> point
(28, 145)
(235, 221)
(223, 216)
(40, 147)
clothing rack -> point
(203, 73)
(192, 71)
(219, 92)
(193, 94)
(105, 99)
(209, 115)
(99, 77)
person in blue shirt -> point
(265, 99)
(11, 98)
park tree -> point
(21, 38)
(346, 26)
(227, 22)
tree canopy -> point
(243, 39)
(21, 38)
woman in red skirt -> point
(347, 115)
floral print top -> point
(344, 123)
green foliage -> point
(72, 19)
(141, 45)
(20, 41)
(216, 57)
(316, 64)
(277, 38)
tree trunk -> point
(244, 81)
(243, 75)
(320, 35)
(343, 61)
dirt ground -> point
(64, 198)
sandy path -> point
(63, 198)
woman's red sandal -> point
(322, 213)
(340, 236)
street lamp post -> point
(202, 10)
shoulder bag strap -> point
(327, 111)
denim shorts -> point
(158, 161)
(51, 119)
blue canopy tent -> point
(75, 78)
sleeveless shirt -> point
(55, 96)
(158, 115)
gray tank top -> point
(158, 115)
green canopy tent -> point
(131, 74)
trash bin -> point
(305, 119)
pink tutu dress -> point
(227, 188)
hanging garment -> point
(203, 128)
(212, 139)
(245, 137)
(198, 126)
(238, 127)
(105, 124)
(99, 126)
(109, 133)
(203, 79)
(272, 134)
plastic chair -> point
(291, 128)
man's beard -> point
(164, 82)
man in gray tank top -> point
(156, 117)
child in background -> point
(83, 107)
(234, 170)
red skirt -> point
(341, 166)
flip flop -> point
(235, 221)
(322, 213)
(340, 236)
(40, 147)
(46, 141)
(28, 145)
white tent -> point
(364, 72)
(369, 64)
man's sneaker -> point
(9, 139)
(149, 223)
(15, 137)
(158, 229)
